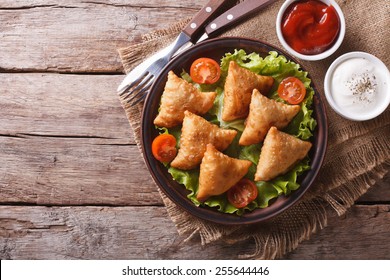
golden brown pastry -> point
(196, 133)
(239, 85)
(279, 153)
(264, 113)
(178, 96)
(219, 172)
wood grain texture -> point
(79, 36)
(379, 193)
(122, 233)
(46, 104)
(361, 234)
(65, 140)
(73, 171)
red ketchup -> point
(310, 27)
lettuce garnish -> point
(302, 126)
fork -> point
(138, 82)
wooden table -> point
(73, 184)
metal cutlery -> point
(137, 83)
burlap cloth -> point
(357, 154)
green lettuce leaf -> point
(188, 178)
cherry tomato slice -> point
(205, 71)
(242, 193)
(292, 90)
(164, 148)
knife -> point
(233, 16)
(192, 33)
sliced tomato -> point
(164, 148)
(205, 71)
(292, 90)
(242, 193)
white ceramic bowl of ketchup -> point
(311, 57)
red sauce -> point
(310, 27)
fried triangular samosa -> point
(196, 133)
(279, 153)
(239, 85)
(219, 172)
(178, 96)
(264, 113)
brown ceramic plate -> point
(216, 49)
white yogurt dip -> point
(357, 86)
(354, 85)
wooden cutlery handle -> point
(213, 8)
(235, 14)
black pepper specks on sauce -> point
(363, 87)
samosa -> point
(239, 85)
(179, 96)
(279, 153)
(196, 133)
(219, 172)
(263, 114)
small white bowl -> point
(314, 57)
(345, 94)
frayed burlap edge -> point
(364, 144)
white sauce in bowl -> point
(354, 85)
(357, 86)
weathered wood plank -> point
(73, 171)
(379, 193)
(363, 233)
(79, 36)
(65, 140)
(122, 233)
(63, 105)
(28, 4)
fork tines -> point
(137, 90)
